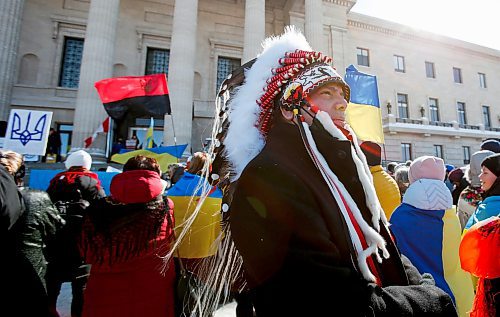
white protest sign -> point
(27, 131)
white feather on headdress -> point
(243, 140)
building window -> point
(438, 151)
(71, 62)
(363, 56)
(157, 61)
(462, 119)
(466, 151)
(403, 106)
(482, 80)
(405, 151)
(399, 63)
(429, 70)
(457, 75)
(486, 117)
(225, 66)
(433, 109)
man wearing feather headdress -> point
(304, 215)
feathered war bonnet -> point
(285, 72)
(283, 75)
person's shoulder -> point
(35, 197)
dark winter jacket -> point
(11, 203)
(66, 185)
(72, 192)
(33, 232)
(37, 229)
(295, 245)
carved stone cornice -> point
(344, 3)
(415, 36)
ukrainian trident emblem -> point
(24, 133)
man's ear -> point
(287, 114)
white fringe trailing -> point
(362, 168)
(373, 238)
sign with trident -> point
(27, 131)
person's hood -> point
(138, 186)
(428, 194)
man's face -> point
(330, 99)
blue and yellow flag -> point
(363, 113)
(431, 239)
(165, 155)
(200, 241)
(149, 135)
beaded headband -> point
(300, 73)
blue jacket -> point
(487, 208)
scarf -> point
(365, 239)
(116, 232)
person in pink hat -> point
(427, 230)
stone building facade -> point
(438, 95)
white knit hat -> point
(79, 158)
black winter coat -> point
(31, 234)
(11, 203)
(37, 229)
(71, 191)
(294, 242)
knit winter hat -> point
(492, 162)
(491, 145)
(475, 166)
(373, 153)
(429, 167)
(456, 175)
(79, 158)
(449, 167)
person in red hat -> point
(123, 237)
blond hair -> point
(197, 162)
(11, 160)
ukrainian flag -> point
(363, 112)
(165, 155)
(431, 239)
(200, 241)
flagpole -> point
(385, 155)
(108, 139)
(175, 138)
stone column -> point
(314, 24)
(11, 14)
(97, 64)
(255, 28)
(181, 72)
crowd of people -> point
(287, 212)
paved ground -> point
(64, 304)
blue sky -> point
(476, 21)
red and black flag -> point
(135, 96)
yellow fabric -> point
(366, 121)
(387, 190)
(206, 228)
(459, 281)
(163, 159)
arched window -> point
(28, 71)
(119, 70)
